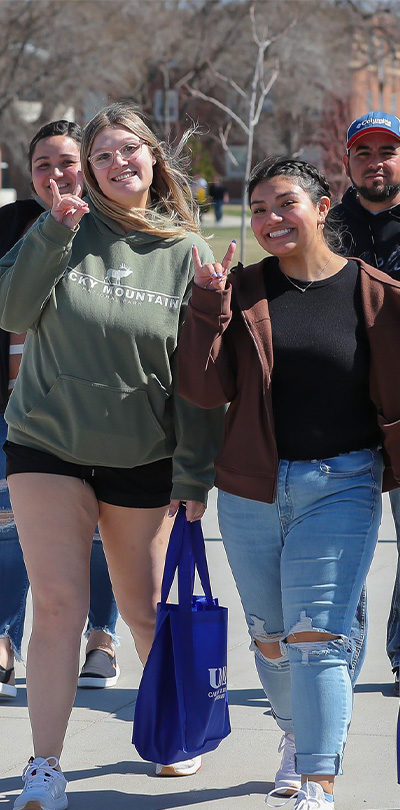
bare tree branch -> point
(198, 94)
(227, 80)
(224, 141)
(263, 95)
(254, 97)
(256, 39)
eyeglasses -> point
(102, 160)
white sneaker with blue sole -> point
(287, 781)
(311, 796)
(44, 786)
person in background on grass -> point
(303, 345)
(218, 194)
(199, 188)
(53, 154)
(97, 433)
(369, 220)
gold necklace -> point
(303, 289)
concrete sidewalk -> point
(105, 773)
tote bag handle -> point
(186, 551)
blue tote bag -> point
(182, 705)
(398, 747)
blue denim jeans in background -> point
(300, 565)
(103, 611)
(218, 206)
(358, 635)
(393, 627)
(14, 582)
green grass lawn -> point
(233, 209)
(221, 237)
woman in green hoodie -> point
(101, 285)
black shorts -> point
(145, 487)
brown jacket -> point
(226, 355)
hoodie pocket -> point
(95, 423)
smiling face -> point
(373, 165)
(127, 181)
(284, 219)
(56, 158)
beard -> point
(387, 192)
(376, 195)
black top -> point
(14, 219)
(216, 191)
(375, 238)
(320, 377)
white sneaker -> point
(287, 781)
(44, 786)
(186, 768)
(310, 797)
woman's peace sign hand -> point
(212, 276)
(68, 209)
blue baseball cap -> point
(374, 121)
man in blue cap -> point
(368, 219)
(369, 214)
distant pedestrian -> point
(219, 195)
(199, 188)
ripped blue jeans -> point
(300, 565)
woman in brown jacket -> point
(300, 345)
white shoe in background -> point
(187, 767)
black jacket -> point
(14, 219)
(374, 238)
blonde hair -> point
(172, 211)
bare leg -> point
(99, 640)
(135, 543)
(6, 653)
(56, 516)
(7, 657)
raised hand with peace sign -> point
(68, 209)
(212, 276)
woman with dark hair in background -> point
(304, 347)
(54, 153)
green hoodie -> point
(97, 383)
